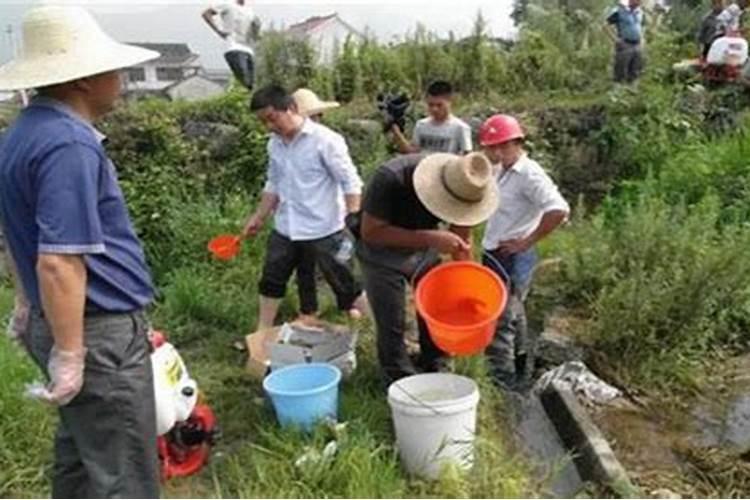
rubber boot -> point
(524, 372)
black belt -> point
(90, 311)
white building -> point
(326, 34)
(195, 88)
(176, 63)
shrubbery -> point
(663, 273)
(161, 169)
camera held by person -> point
(393, 108)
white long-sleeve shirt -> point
(526, 194)
(310, 175)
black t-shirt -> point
(390, 195)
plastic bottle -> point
(345, 251)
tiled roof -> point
(171, 53)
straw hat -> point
(460, 190)
(308, 103)
(62, 44)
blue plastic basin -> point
(304, 394)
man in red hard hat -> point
(531, 207)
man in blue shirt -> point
(625, 28)
(78, 259)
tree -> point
(472, 57)
(347, 72)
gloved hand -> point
(19, 321)
(66, 377)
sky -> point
(179, 21)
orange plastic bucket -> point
(461, 303)
(225, 246)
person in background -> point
(441, 131)
(729, 22)
(401, 239)
(309, 105)
(625, 27)
(78, 259)
(311, 185)
(240, 29)
(709, 27)
(531, 209)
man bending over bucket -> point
(531, 208)
(401, 239)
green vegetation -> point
(206, 308)
(655, 261)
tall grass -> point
(665, 284)
(25, 426)
(206, 307)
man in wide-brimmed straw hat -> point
(80, 263)
(404, 204)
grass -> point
(207, 308)
(25, 427)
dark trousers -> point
(386, 280)
(628, 62)
(511, 353)
(283, 256)
(307, 288)
(242, 66)
(105, 446)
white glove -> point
(66, 377)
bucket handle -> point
(427, 259)
(497, 267)
(418, 400)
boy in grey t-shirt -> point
(441, 132)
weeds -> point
(204, 309)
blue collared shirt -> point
(59, 195)
(310, 175)
(629, 23)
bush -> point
(664, 284)
(719, 168)
(160, 168)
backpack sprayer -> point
(186, 427)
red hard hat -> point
(499, 129)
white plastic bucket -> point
(435, 416)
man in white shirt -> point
(240, 29)
(531, 207)
(441, 131)
(311, 185)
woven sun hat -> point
(309, 104)
(62, 44)
(460, 190)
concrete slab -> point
(594, 457)
(538, 438)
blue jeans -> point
(511, 353)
